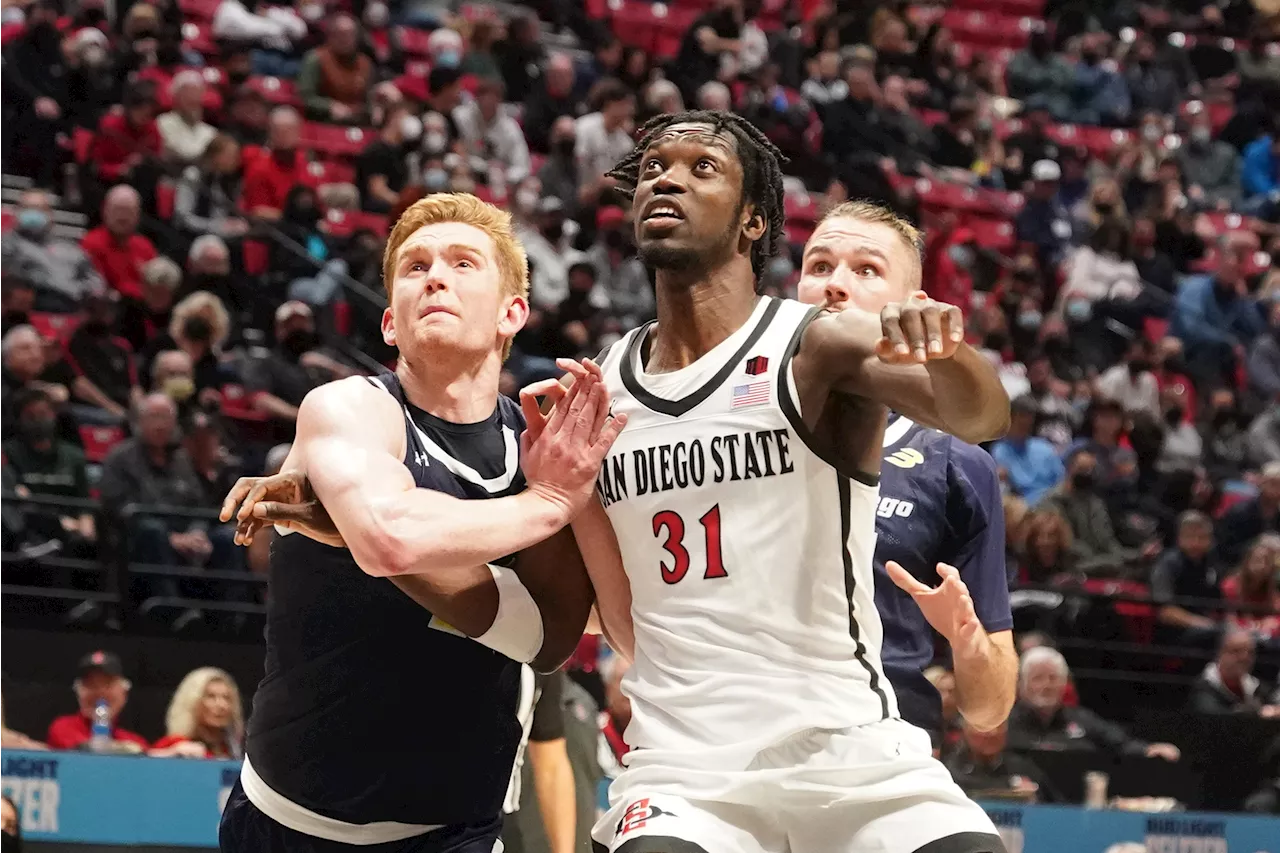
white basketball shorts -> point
(868, 789)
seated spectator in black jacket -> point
(553, 96)
(1188, 570)
(1228, 686)
(1039, 720)
(145, 319)
(153, 470)
(292, 368)
(106, 383)
(982, 766)
(44, 464)
(1247, 520)
(381, 169)
(36, 88)
(26, 366)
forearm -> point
(602, 556)
(968, 396)
(92, 394)
(986, 683)
(1172, 614)
(274, 406)
(553, 781)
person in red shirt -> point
(205, 718)
(126, 140)
(115, 247)
(269, 178)
(100, 676)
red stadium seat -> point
(238, 403)
(256, 257)
(98, 441)
(199, 37)
(997, 234)
(7, 221)
(335, 140)
(165, 194)
(54, 327)
(199, 10)
(413, 42)
(989, 29)
(276, 90)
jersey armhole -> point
(788, 401)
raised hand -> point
(948, 607)
(562, 453)
(285, 499)
(918, 330)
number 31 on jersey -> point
(670, 524)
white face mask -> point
(376, 16)
(526, 199)
(435, 142)
(411, 127)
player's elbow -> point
(988, 425)
(558, 645)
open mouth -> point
(663, 214)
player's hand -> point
(562, 454)
(285, 499)
(948, 608)
(919, 330)
(1167, 751)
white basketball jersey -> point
(749, 556)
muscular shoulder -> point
(348, 405)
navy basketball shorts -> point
(245, 829)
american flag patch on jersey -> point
(749, 395)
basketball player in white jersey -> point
(762, 721)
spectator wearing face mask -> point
(1076, 500)
(1225, 453)
(559, 173)
(1131, 382)
(59, 269)
(1153, 85)
(106, 371)
(35, 87)
(552, 96)
(143, 320)
(173, 375)
(1101, 94)
(381, 170)
(1210, 166)
(603, 137)
(550, 254)
(199, 327)
(621, 274)
(93, 86)
(292, 368)
(44, 464)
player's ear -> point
(754, 224)
(514, 314)
(388, 327)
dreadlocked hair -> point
(761, 171)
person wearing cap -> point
(293, 367)
(106, 370)
(1044, 221)
(549, 248)
(1030, 465)
(99, 677)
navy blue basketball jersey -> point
(939, 503)
(372, 709)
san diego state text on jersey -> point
(663, 467)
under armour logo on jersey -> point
(421, 458)
(756, 365)
(907, 457)
(637, 815)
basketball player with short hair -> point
(400, 463)
(939, 524)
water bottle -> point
(100, 728)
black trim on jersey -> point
(676, 408)
(793, 415)
(965, 842)
(604, 353)
(850, 586)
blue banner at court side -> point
(93, 799)
(106, 799)
(1070, 829)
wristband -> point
(517, 628)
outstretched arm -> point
(913, 359)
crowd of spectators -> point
(1099, 185)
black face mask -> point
(1139, 365)
(1224, 417)
(198, 330)
(553, 231)
(95, 328)
(299, 341)
(1173, 417)
(38, 429)
(565, 147)
(1083, 481)
(237, 77)
(1104, 207)
(302, 215)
